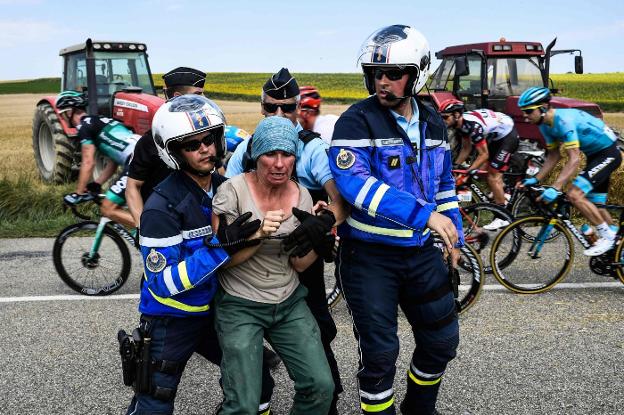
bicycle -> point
(551, 242)
(517, 205)
(91, 257)
(472, 278)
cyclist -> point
(495, 139)
(577, 132)
(109, 137)
(180, 279)
(310, 116)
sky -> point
(305, 36)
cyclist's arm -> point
(482, 156)
(87, 165)
(134, 199)
(570, 168)
(465, 150)
(552, 158)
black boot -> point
(270, 357)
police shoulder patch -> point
(155, 261)
(345, 159)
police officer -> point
(391, 161)
(280, 97)
(180, 278)
(146, 168)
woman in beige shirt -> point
(260, 295)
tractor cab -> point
(493, 74)
(104, 68)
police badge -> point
(155, 261)
(345, 159)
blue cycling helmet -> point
(234, 136)
(534, 97)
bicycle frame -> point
(559, 212)
(515, 194)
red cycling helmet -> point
(310, 97)
(451, 105)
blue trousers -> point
(376, 280)
(175, 340)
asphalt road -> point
(557, 353)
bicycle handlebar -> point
(96, 198)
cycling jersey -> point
(483, 126)
(577, 129)
(110, 137)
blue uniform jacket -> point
(393, 189)
(180, 278)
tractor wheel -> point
(54, 152)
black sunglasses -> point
(272, 108)
(391, 74)
(528, 111)
(194, 145)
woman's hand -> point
(271, 223)
(320, 205)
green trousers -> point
(292, 332)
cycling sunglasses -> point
(391, 74)
(528, 111)
(272, 108)
(194, 145)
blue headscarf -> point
(272, 134)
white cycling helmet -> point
(182, 117)
(396, 46)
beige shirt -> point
(268, 276)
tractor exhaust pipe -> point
(546, 74)
(91, 82)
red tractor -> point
(493, 74)
(117, 79)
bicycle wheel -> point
(619, 260)
(471, 277)
(99, 274)
(474, 218)
(539, 264)
(523, 207)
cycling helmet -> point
(534, 97)
(234, 136)
(451, 105)
(184, 116)
(310, 97)
(396, 46)
(71, 99)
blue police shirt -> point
(410, 127)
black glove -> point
(327, 248)
(309, 233)
(234, 236)
(94, 187)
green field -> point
(607, 90)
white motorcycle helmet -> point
(182, 117)
(396, 46)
